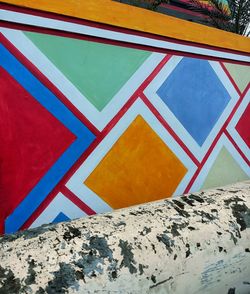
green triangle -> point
(224, 171)
(97, 70)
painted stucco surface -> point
(198, 243)
(95, 118)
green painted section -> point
(240, 74)
(224, 171)
(97, 70)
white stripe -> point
(24, 18)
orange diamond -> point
(138, 168)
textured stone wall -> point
(198, 243)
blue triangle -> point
(61, 217)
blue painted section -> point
(61, 217)
(84, 138)
(196, 96)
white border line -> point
(76, 183)
(25, 18)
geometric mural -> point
(94, 120)
(30, 91)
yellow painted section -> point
(126, 16)
(138, 168)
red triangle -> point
(243, 126)
(31, 140)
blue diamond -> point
(196, 96)
(61, 217)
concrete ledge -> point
(198, 243)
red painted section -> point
(72, 108)
(31, 141)
(243, 126)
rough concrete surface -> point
(199, 243)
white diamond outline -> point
(150, 92)
(222, 142)
(231, 128)
(76, 182)
(98, 118)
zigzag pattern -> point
(129, 125)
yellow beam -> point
(126, 16)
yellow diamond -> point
(139, 168)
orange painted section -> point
(126, 16)
(138, 168)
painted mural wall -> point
(95, 118)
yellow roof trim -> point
(126, 16)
